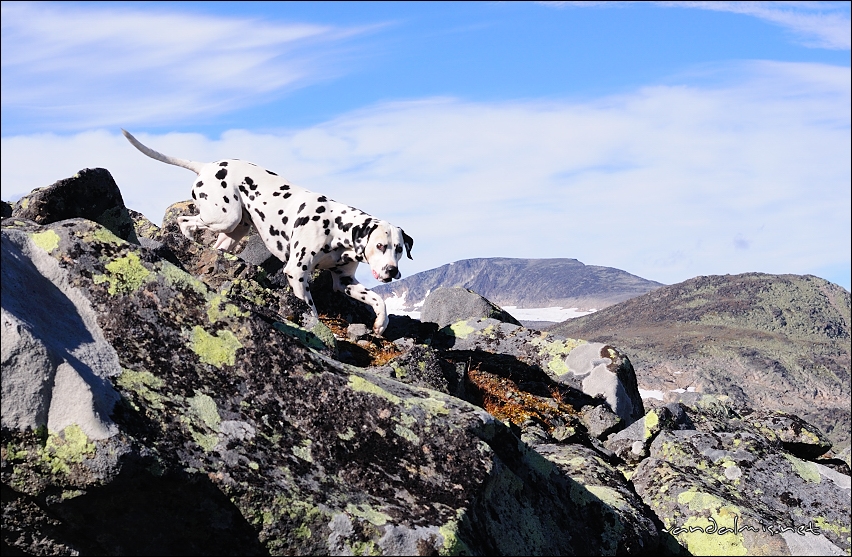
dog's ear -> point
(361, 234)
(409, 243)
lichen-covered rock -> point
(446, 306)
(598, 370)
(631, 444)
(796, 435)
(234, 438)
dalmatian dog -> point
(305, 230)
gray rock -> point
(631, 444)
(446, 306)
(56, 363)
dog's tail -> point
(191, 165)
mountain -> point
(524, 283)
(776, 342)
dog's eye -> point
(381, 247)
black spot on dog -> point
(301, 208)
(226, 199)
(261, 215)
(322, 199)
(193, 194)
(315, 218)
(301, 279)
(273, 231)
(321, 209)
(280, 211)
(236, 197)
(301, 221)
(222, 173)
(270, 172)
(304, 267)
(242, 189)
(224, 210)
(199, 183)
(284, 187)
(276, 193)
(202, 195)
(249, 181)
(284, 220)
(223, 163)
(286, 195)
(279, 246)
(224, 184)
(325, 223)
(327, 231)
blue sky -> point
(669, 139)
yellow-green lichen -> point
(348, 435)
(460, 329)
(406, 434)
(124, 274)
(219, 307)
(302, 335)
(433, 406)
(700, 535)
(453, 544)
(142, 383)
(176, 277)
(47, 240)
(66, 448)
(219, 350)
(556, 350)
(303, 451)
(368, 513)
(105, 236)
(203, 412)
(807, 470)
(652, 421)
(361, 384)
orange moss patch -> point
(376, 351)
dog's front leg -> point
(228, 240)
(355, 290)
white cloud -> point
(667, 182)
(817, 24)
(151, 65)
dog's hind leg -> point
(227, 240)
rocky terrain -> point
(524, 283)
(776, 342)
(161, 397)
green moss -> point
(360, 384)
(453, 544)
(62, 450)
(217, 351)
(142, 383)
(124, 274)
(47, 240)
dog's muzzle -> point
(390, 273)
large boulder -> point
(234, 438)
(446, 306)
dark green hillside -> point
(771, 341)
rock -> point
(597, 370)
(56, 363)
(631, 444)
(421, 366)
(235, 438)
(446, 306)
(739, 481)
(796, 435)
(6, 209)
(90, 194)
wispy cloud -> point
(815, 24)
(667, 182)
(126, 65)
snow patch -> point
(555, 314)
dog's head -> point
(380, 244)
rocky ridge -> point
(162, 397)
(779, 342)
